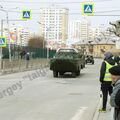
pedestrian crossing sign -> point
(88, 8)
(26, 14)
(3, 42)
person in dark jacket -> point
(115, 96)
(22, 54)
(27, 59)
(117, 59)
(27, 56)
(105, 79)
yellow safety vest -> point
(107, 74)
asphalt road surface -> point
(36, 95)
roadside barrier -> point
(22, 65)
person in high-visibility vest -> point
(105, 78)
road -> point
(26, 96)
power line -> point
(96, 13)
(115, 10)
(108, 11)
(107, 15)
(25, 2)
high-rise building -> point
(91, 36)
(17, 35)
(84, 30)
(74, 29)
(22, 35)
(98, 30)
(54, 24)
(80, 29)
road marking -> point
(79, 113)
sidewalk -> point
(106, 116)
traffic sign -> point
(88, 8)
(26, 14)
(3, 41)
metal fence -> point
(34, 52)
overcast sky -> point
(102, 7)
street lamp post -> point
(9, 45)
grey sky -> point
(100, 6)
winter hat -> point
(108, 55)
(115, 70)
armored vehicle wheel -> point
(78, 73)
(55, 73)
(74, 74)
(84, 65)
(61, 73)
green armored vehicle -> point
(66, 60)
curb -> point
(3, 73)
(96, 114)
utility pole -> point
(9, 45)
(1, 54)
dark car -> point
(89, 59)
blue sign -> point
(2, 41)
(26, 15)
(88, 8)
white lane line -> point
(79, 113)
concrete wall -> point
(22, 65)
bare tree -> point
(37, 42)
